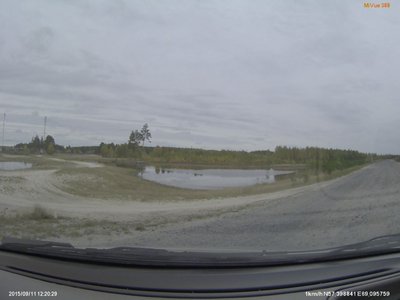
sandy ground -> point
(237, 222)
(23, 189)
(84, 164)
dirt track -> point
(27, 188)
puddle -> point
(14, 165)
(209, 179)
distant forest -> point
(315, 158)
(325, 160)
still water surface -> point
(14, 165)
(210, 179)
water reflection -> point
(209, 179)
(14, 165)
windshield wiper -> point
(149, 257)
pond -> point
(14, 165)
(210, 179)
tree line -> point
(39, 145)
(313, 158)
(322, 159)
(133, 148)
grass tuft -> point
(39, 213)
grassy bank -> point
(110, 182)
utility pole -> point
(42, 148)
(4, 126)
(44, 130)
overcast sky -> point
(213, 74)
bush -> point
(50, 149)
(39, 213)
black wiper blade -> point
(134, 256)
(24, 243)
(148, 257)
(378, 244)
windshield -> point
(238, 126)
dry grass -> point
(39, 213)
(38, 223)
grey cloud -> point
(216, 74)
(39, 41)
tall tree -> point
(35, 144)
(145, 133)
(135, 138)
(49, 140)
(49, 144)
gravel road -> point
(354, 208)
